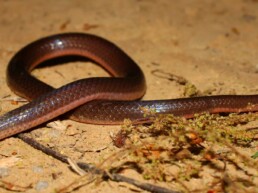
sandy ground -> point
(213, 44)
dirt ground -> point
(213, 44)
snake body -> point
(95, 100)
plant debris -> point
(183, 151)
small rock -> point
(37, 169)
(41, 185)
(4, 172)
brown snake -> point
(85, 96)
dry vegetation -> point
(180, 151)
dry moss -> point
(217, 151)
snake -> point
(96, 100)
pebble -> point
(4, 172)
(37, 169)
(41, 185)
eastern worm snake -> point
(93, 99)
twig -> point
(171, 77)
(75, 167)
(90, 168)
(13, 187)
